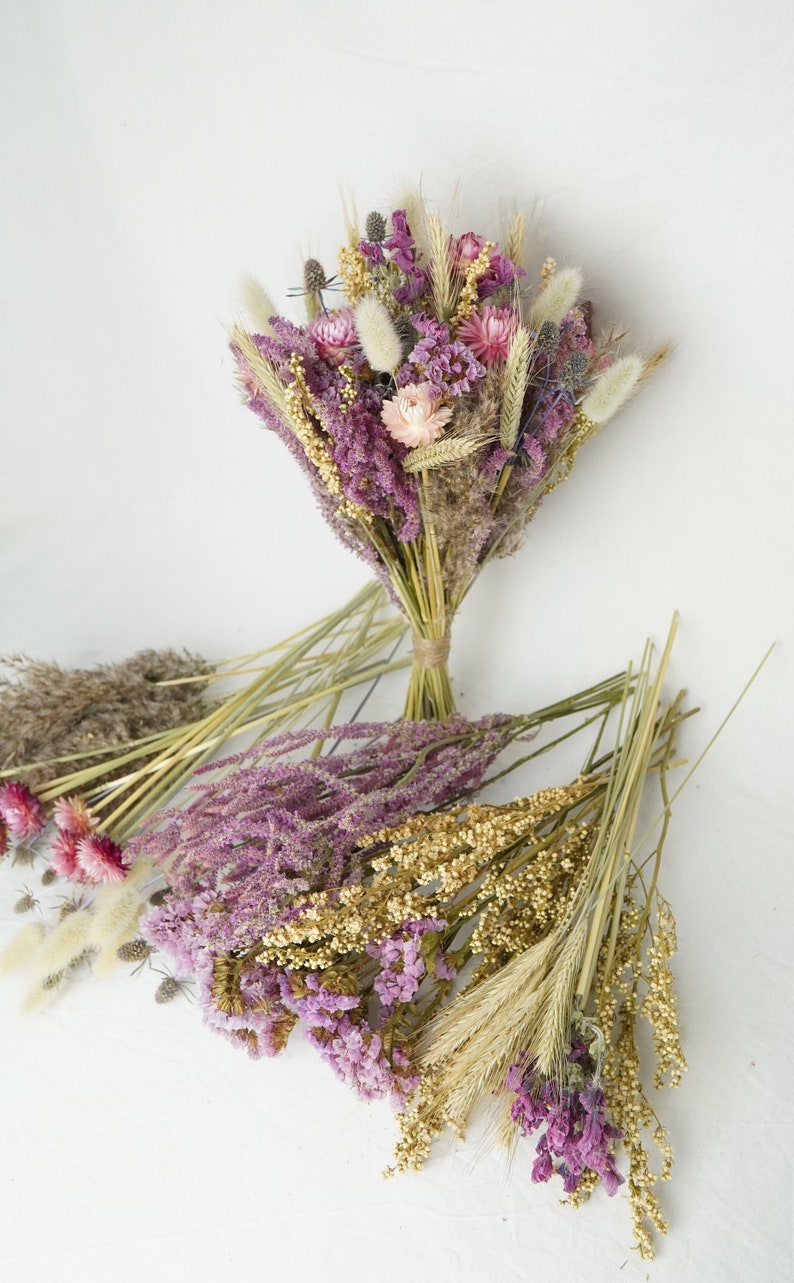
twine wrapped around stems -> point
(431, 652)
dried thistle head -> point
(375, 226)
(134, 950)
(314, 277)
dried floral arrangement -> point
(461, 957)
(436, 408)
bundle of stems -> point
(301, 678)
(510, 950)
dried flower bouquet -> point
(435, 409)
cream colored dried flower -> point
(379, 338)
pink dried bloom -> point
(464, 249)
(73, 816)
(21, 810)
(488, 332)
(100, 859)
(334, 335)
(413, 417)
(64, 857)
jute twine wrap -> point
(431, 652)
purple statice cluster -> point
(557, 376)
(402, 962)
(369, 460)
(275, 827)
(573, 1114)
(447, 368)
(357, 1054)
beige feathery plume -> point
(60, 948)
(612, 388)
(257, 305)
(516, 378)
(142, 870)
(444, 291)
(379, 338)
(114, 918)
(21, 947)
(558, 297)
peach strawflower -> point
(413, 417)
(73, 816)
(487, 333)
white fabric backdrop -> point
(158, 152)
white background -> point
(154, 153)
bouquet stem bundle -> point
(499, 958)
(434, 410)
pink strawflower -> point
(100, 859)
(413, 417)
(488, 332)
(464, 249)
(73, 816)
(334, 335)
(22, 811)
(63, 860)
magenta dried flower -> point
(21, 810)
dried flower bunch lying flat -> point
(435, 409)
(119, 740)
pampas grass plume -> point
(612, 388)
(379, 338)
(258, 305)
(116, 915)
(559, 296)
(21, 947)
(64, 944)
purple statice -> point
(553, 415)
(336, 1026)
(574, 337)
(403, 254)
(262, 1023)
(450, 368)
(402, 962)
(274, 827)
(574, 1116)
(370, 461)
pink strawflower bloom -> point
(334, 335)
(73, 816)
(63, 860)
(413, 417)
(21, 810)
(464, 249)
(100, 859)
(487, 333)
